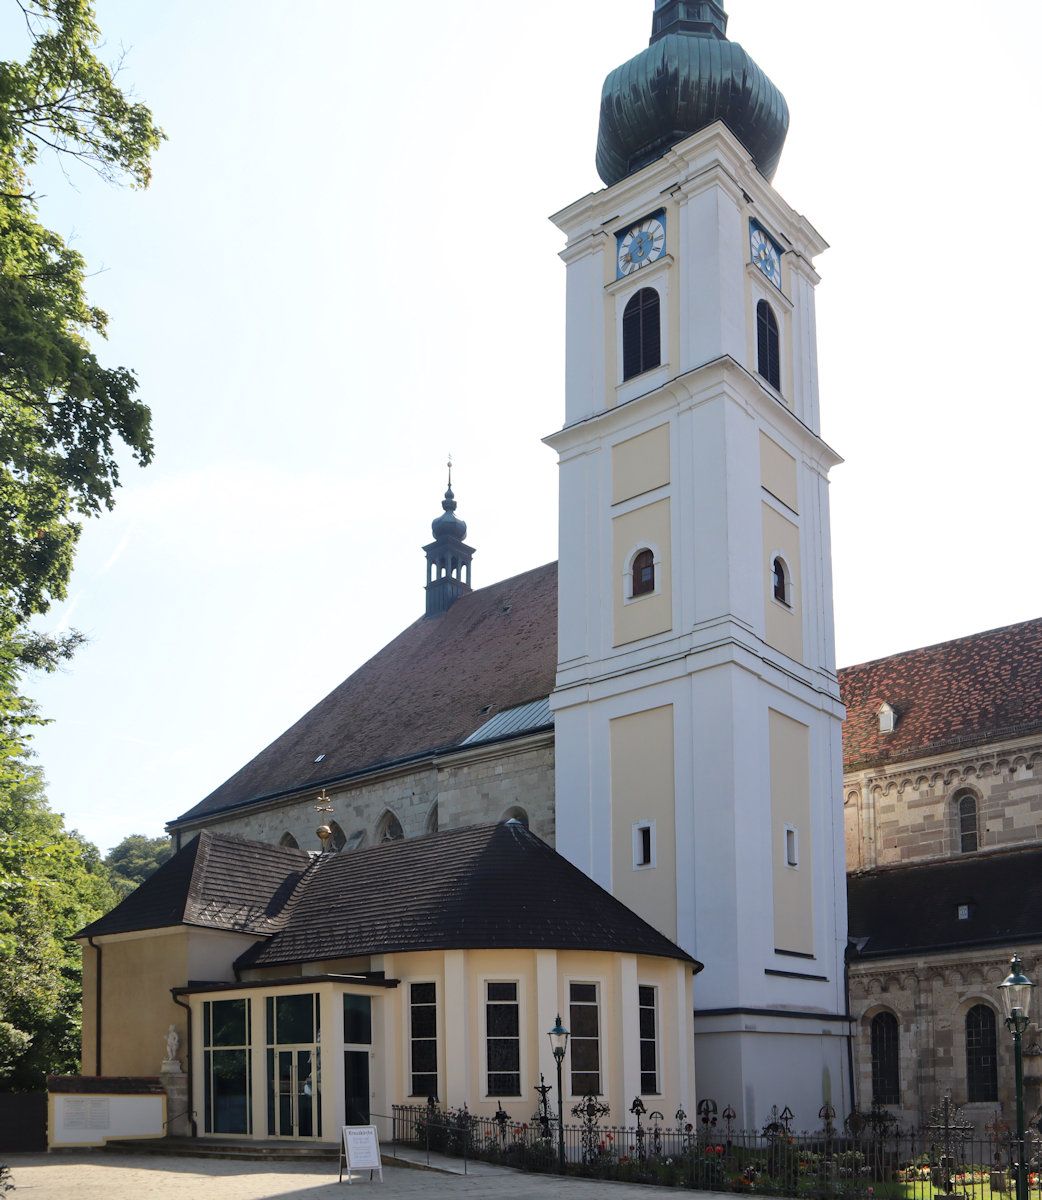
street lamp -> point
(1015, 991)
(559, 1043)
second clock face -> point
(765, 254)
(642, 244)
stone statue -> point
(172, 1044)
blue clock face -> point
(642, 244)
(765, 254)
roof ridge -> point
(964, 638)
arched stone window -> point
(432, 818)
(641, 336)
(886, 1074)
(768, 354)
(780, 581)
(643, 574)
(516, 813)
(389, 829)
(966, 807)
(982, 1078)
(289, 841)
(339, 837)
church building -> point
(661, 707)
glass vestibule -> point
(226, 1060)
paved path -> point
(101, 1176)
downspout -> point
(190, 1057)
(97, 1005)
(850, 1032)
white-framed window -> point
(792, 846)
(647, 1009)
(423, 1039)
(584, 1046)
(502, 1038)
(643, 573)
(781, 580)
(643, 845)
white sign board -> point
(360, 1150)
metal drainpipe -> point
(850, 1032)
(97, 1006)
(191, 1089)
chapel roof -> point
(217, 881)
(914, 909)
(482, 887)
(975, 689)
(427, 691)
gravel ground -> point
(101, 1176)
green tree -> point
(136, 857)
(63, 415)
(52, 883)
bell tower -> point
(698, 718)
(448, 557)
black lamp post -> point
(1015, 991)
(559, 1042)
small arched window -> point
(390, 829)
(516, 814)
(339, 837)
(641, 339)
(768, 356)
(643, 575)
(780, 581)
(289, 841)
(886, 1078)
(432, 818)
(982, 1078)
(968, 840)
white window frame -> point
(656, 1039)
(483, 1065)
(409, 1039)
(601, 1064)
(789, 603)
(627, 575)
(638, 846)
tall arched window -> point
(768, 356)
(982, 1079)
(643, 576)
(886, 1076)
(968, 841)
(641, 341)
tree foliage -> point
(64, 417)
(136, 857)
(52, 883)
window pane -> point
(423, 993)
(502, 991)
(583, 993)
(295, 1019)
(886, 1087)
(981, 1065)
(229, 1087)
(227, 1022)
(424, 1021)
(502, 1020)
(358, 1024)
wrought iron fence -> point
(866, 1155)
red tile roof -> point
(428, 690)
(970, 691)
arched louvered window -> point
(289, 841)
(886, 1078)
(768, 356)
(643, 574)
(968, 841)
(982, 1079)
(641, 339)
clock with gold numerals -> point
(764, 253)
(641, 244)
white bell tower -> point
(698, 718)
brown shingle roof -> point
(427, 690)
(972, 690)
(219, 882)
(486, 886)
(480, 887)
(915, 909)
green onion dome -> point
(689, 76)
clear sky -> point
(343, 271)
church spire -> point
(703, 18)
(448, 556)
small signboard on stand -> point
(360, 1151)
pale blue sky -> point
(343, 270)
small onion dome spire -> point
(448, 557)
(689, 76)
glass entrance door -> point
(294, 1092)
